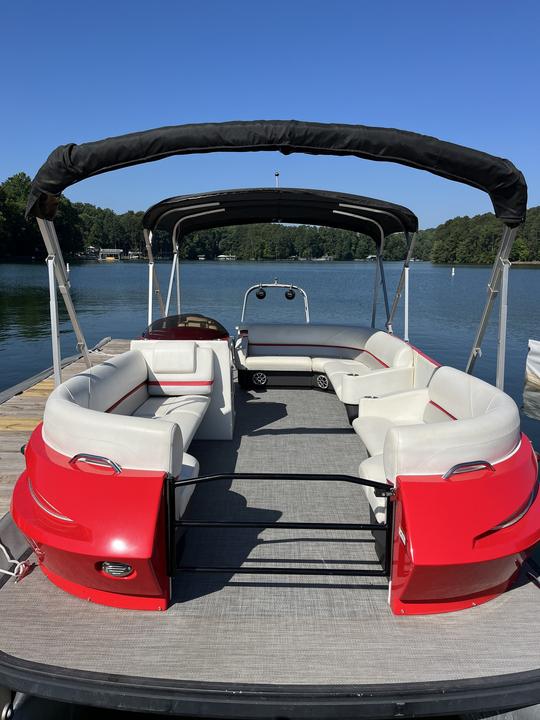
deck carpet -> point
(286, 629)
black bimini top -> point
(187, 213)
(69, 164)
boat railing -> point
(380, 489)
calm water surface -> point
(111, 300)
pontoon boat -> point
(318, 519)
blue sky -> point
(463, 71)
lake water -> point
(111, 300)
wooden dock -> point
(20, 414)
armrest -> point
(379, 382)
(434, 448)
(240, 357)
(132, 442)
(400, 406)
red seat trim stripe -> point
(439, 407)
(125, 397)
(181, 383)
(426, 357)
(165, 383)
(319, 345)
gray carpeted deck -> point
(275, 629)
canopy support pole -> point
(503, 313)
(380, 279)
(375, 292)
(50, 238)
(177, 282)
(495, 285)
(150, 293)
(55, 333)
(403, 286)
(406, 306)
(383, 282)
(153, 281)
(171, 281)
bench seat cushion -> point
(373, 469)
(186, 411)
(283, 363)
(190, 470)
(372, 431)
(318, 363)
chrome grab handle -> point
(465, 467)
(96, 460)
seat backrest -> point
(466, 419)
(306, 340)
(117, 385)
(177, 367)
(388, 350)
(455, 395)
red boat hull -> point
(77, 517)
(457, 543)
(447, 551)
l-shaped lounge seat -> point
(343, 353)
(139, 412)
(457, 418)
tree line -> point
(81, 225)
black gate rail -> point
(380, 490)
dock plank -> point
(20, 414)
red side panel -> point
(79, 516)
(448, 553)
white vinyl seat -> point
(373, 431)
(344, 353)
(384, 356)
(286, 363)
(372, 468)
(189, 471)
(185, 410)
(140, 417)
(457, 418)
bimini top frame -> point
(185, 214)
(504, 183)
(69, 164)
